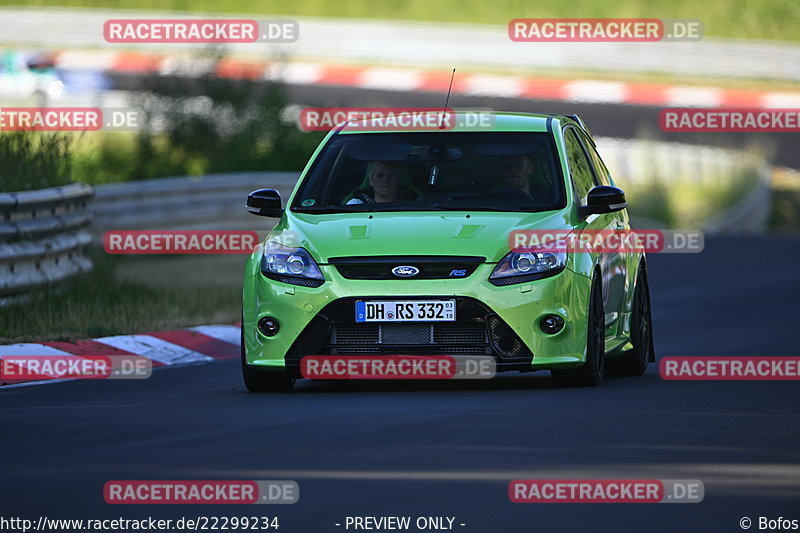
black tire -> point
(264, 380)
(634, 363)
(591, 373)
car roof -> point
(489, 121)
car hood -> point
(484, 234)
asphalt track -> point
(450, 449)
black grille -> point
(460, 334)
(504, 340)
(356, 334)
(413, 350)
(430, 267)
(477, 331)
(406, 333)
(304, 282)
(389, 337)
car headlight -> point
(519, 267)
(290, 265)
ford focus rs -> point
(397, 243)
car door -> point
(624, 283)
(619, 286)
(612, 266)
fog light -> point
(268, 326)
(551, 324)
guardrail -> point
(43, 236)
(750, 214)
(643, 162)
(214, 201)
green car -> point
(397, 243)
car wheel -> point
(591, 373)
(264, 380)
(634, 363)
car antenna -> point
(447, 100)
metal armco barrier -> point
(750, 214)
(43, 237)
(214, 201)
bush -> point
(194, 125)
(208, 124)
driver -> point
(515, 172)
(520, 172)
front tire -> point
(264, 380)
(591, 373)
(634, 363)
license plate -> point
(406, 311)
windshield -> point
(491, 171)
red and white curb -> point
(200, 344)
(405, 79)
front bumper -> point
(320, 321)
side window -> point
(579, 166)
(599, 167)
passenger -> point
(384, 180)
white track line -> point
(604, 92)
(155, 349)
(491, 85)
(693, 97)
(390, 79)
(229, 334)
(781, 100)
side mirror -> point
(265, 203)
(603, 199)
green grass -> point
(764, 19)
(36, 160)
(129, 295)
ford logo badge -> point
(405, 271)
